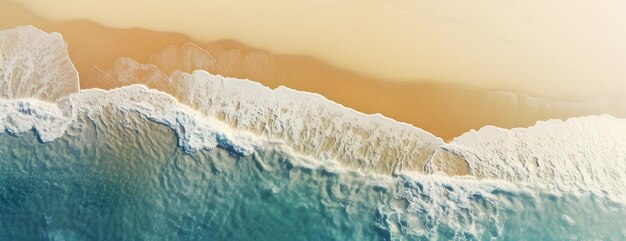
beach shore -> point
(444, 110)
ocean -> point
(232, 160)
(112, 180)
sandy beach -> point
(444, 110)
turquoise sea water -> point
(128, 180)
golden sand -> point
(551, 48)
(445, 111)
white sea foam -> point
(307, 122)
(23, 115)
(35, 70)
(506, 154)
(35, 64)
(248, 105)
(194, 131)
(254, 64)
(580, 155)
(188, 58)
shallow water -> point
(125, 178)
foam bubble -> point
(35, 64)
(585, 154)
(20, 116)
(580, 155)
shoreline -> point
(445, 111)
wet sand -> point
(446, 111)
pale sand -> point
(552, 48)
(445, 111)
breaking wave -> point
(366, 175)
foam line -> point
(580, 155)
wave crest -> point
(580, 155)
(35, 64)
